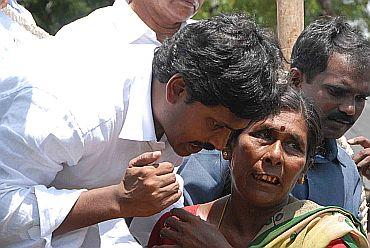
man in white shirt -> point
(73, 135)
(138, 23)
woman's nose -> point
(274, 155)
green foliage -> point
(53, 14)
(264, 11)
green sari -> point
(306, 224)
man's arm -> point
(146, 189)
(36, 136)
(31, 123)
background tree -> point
(53, 14)
(264, 11)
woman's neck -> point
(161, 25)
(241, 222)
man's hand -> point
(147, 187)
(187, 230)
(362, 158)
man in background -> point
(330, 63)
(139, 21)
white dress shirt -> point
(72, 117)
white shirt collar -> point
(139, 124)
(139, 32)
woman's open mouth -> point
(270, 179)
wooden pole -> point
(290, 23)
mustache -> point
(206, 146)
(341, 117)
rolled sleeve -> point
(37, 138)
(52, 212)
(30, 215)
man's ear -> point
(297, 77)
(175, 88)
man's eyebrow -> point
(343, 85)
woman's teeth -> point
(266, 178)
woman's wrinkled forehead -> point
(288, 122)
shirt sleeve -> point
(37, 138)
(357, 196)
(205, 176)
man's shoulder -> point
(345, 159)
(100, 24)
(91, 25)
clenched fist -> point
(147, 187)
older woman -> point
(267, 159)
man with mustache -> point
(331, 64)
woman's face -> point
(268, 158)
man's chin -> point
(187, 150)
(181, 151)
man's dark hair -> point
(326, 36)
(227, 60)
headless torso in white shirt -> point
(88, 94)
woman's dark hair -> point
(291, 101)
(227, 60)
(294, 101)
